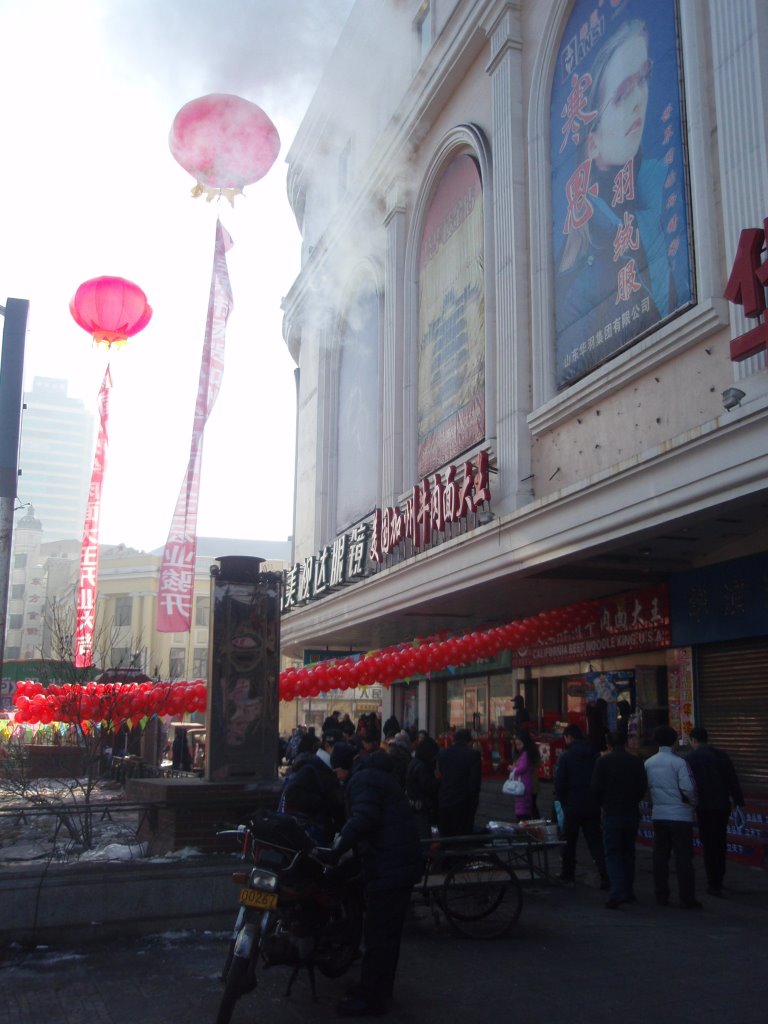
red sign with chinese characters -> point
(431, 505)
(746, 287)
(636, 621)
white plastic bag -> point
(513, 787)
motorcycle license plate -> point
(255, 898)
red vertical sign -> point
(89, 553)
(177, 571)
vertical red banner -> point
(89, 553)
(177, 571)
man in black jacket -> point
(716, 786)
(619, 783)
(459, 768)
(381, 824)
(573, 788)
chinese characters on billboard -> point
(451, 397)
(621, 236)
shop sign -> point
(431, 508)
(634, 621)
(720, 602)
(746, 288)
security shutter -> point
(732, 705)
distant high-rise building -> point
(55, 457)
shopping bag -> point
(559, 814)
(513, 787)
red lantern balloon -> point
(111, 309)
(225, 143)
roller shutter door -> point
(732, 705)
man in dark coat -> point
(716, 786)
(573, 788)
(619, 783)
(460, 772)
(381, 824)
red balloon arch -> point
(116, 703)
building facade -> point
(55, 456)
(521, 384)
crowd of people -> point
(600, 795)
(380, 789)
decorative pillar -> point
(513, 386)
(243, 671)
(392, 396)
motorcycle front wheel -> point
(235, 985)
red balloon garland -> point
(116, 703)
(112, 704)
(432, 654)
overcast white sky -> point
(88, 93)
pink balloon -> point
(224, 141)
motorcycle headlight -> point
(264, 880)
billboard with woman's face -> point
(621, 235)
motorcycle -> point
(295, 910)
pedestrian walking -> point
(673, 795)
(618, 782)
(525, 768)
(460, 771)
(717, 786)
(581, 811)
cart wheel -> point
(482, 898)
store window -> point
(451, 318)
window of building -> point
(200, 662)
(451, 318)
(20, 561)
(123, 611)
(202, 611)
(12, 653)
(15, 621)
(121, 657)
(424, 31)
(344, 158)
(176, 663)
(17, 592)
(358, 412)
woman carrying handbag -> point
(521, 777)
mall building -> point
(520, 382)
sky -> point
(88, 91)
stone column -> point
(513, 388)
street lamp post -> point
(11, 395)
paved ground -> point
(568, 960)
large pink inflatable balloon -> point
(225, 143)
